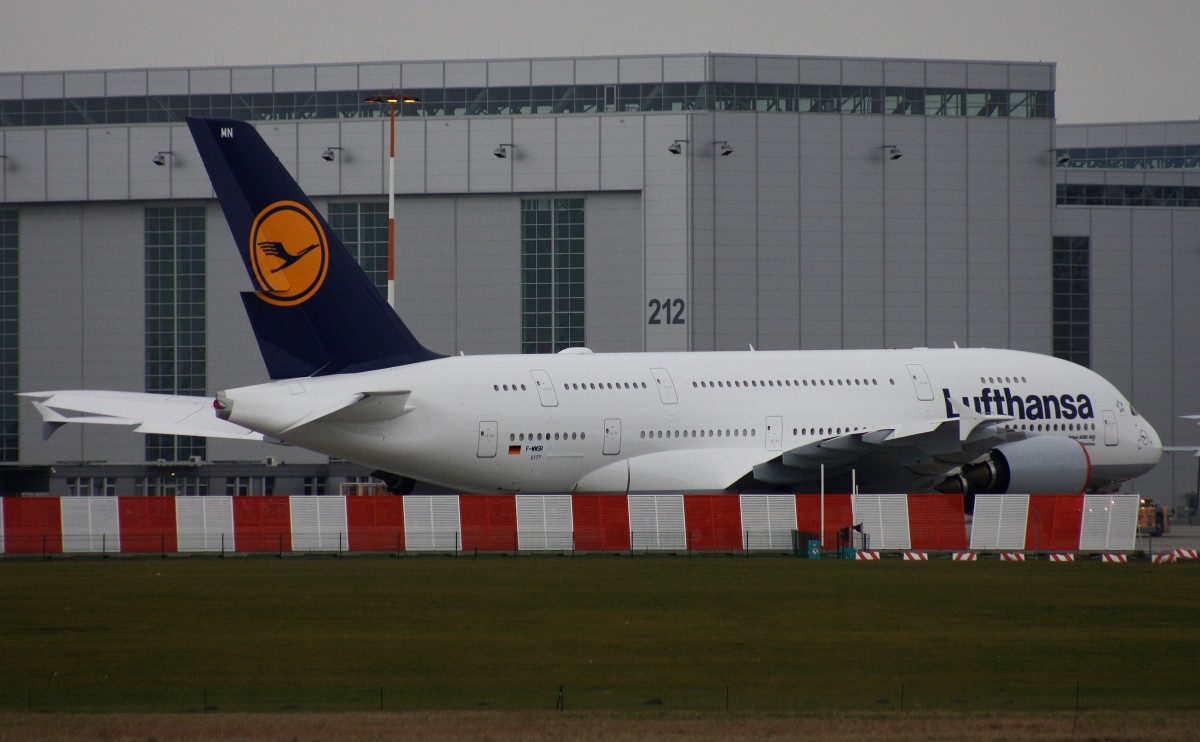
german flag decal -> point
(514, 450)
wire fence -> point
(817, 695)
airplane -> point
(348, 379)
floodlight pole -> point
(391, 99)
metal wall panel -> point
(768, 521)
(657, 522)
(601, 522)
(1109, 523)
(1053, 522)
(577, 158)
(211, 81)
(613, 277)
(263, 524)
(90, 524)
(251, 79)
(375, 523)
(314, 173)
(713, 522)
(431, 523)
(108, 164)
(335, 77)
(641, 69)
(589, 71)
(545, 522)
(299, 79)
(884, 519)
(466, 74)
(32, 525)
(318, 522)
(508, 72)
(148, 524)
(999, 522)
(535, 137)
(205, 523)
(446, 144)
(622, 152)
(125, 82)
(66, 164)
(489, 173)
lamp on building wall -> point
(724, 149)
(1062, 158)
(391, 99)
(160, 159)
(329, 155)
(676, 146)
(893, 152)
(502, 150)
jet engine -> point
(1042, 464)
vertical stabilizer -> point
(314, 310)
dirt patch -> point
(490, 725)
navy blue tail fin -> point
(314, 311)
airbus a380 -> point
(350, 380)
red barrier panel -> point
(1054, 522)
(714, 522)
(32, 525)
(601, 522)
(839, 513)
(148, 524)
(937, 522)
(488, 522)
(262, 523)
(375, 523)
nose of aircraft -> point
(1149, 444)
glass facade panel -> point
(541, 99)
(10, 304)
(176, 336)
(1074, 194)
(1174, 157)
(1072, 287)
(552, 274)
(363, 227)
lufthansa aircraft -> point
(350, 380)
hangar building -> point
(682, 202)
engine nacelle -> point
(1041, 465)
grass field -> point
(619, 634)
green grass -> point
(775, 634)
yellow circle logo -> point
(288, 252)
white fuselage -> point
(697, 422)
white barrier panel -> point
(656, 522)
(318, 522)
(544, 522)
(999, 522)
(204, 523)
(1109, 523)
(768, 521)
(884, 519)
(431, 523)
(90, 524)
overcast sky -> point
(1118, 60)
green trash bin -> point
(814, 548)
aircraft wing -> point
(926, 451)
(145, 413)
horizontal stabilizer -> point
(145, 413)
(364, 407)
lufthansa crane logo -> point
(288, 253)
